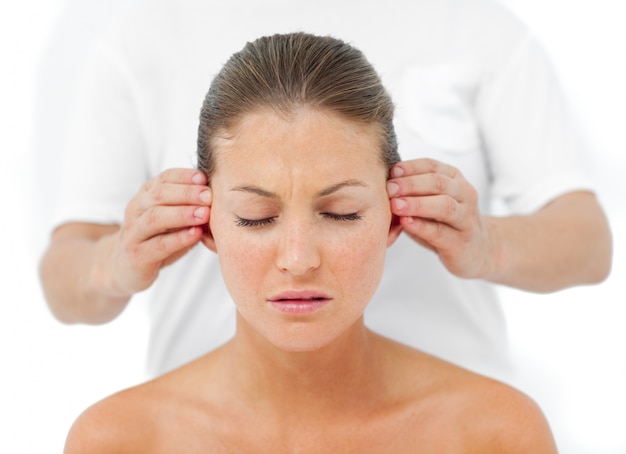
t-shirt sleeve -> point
(535, 150)
(104, 163)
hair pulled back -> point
(286, 72)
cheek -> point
(360, 258)
(240, 261)
(243, 276)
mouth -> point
(299, 302)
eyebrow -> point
(254, 190)
(323, 193)
(336, 187)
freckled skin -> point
(301, 247)
(317, 218)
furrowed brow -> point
(254, 190)
(323, 193)
(336, 187)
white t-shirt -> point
(472, 88)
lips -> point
(299, 302)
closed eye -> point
(241, 222)
(343, 217)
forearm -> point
(566, 243)
(74, 282)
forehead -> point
(308, 139)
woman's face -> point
(301, 222)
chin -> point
(297, 343)
(306, 338)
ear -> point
(395, 229)
(207, 238)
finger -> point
(172, 194)
(174, 187)
(423, 166)
(427, 184)
(428, 177)
(168, 247)
(166, 194)
(441, 208)
(161, 219)
(427, 232)
(182, 176)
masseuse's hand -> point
(438, 208)
(161, 223)
(90, 271)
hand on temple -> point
(161, 223)
(90, 271)
(566, 242)
(438, 208)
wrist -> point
(497, 256)
(102, 283)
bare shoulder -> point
(496, 417)
(115, 424)
(167, 414)
(504, 419)
(460, 411)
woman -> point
(296, 138)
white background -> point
(572, 344)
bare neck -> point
(341, 375)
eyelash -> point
(241, 222)
(343, 217)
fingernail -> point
(400, 203)
(205, 196)
(200, 212)
(397, 172)
(198, 178)
(392, 188)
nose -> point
(299, 251)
